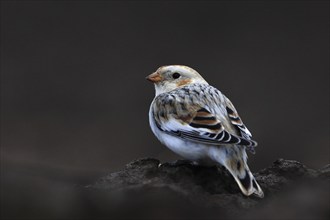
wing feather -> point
(208, 119)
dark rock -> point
(190, 191)
(325, 172)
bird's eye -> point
(176, 75)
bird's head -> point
(168, 78)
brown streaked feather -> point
(231, 112)
(205, 122)
(186, 118)
(204, 119)
(236, 121)
(203, 114)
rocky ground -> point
(146, 189)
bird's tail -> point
(244, 178)
(248, 184)
(234, 158)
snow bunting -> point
(198, 122)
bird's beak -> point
(154, 77)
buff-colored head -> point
(168, 78)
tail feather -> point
(246, 182)
(234, 158)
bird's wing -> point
(236, 120)
(202, 115)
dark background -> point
(74, 99)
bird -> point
(198, 122)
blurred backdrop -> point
(74, 99)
